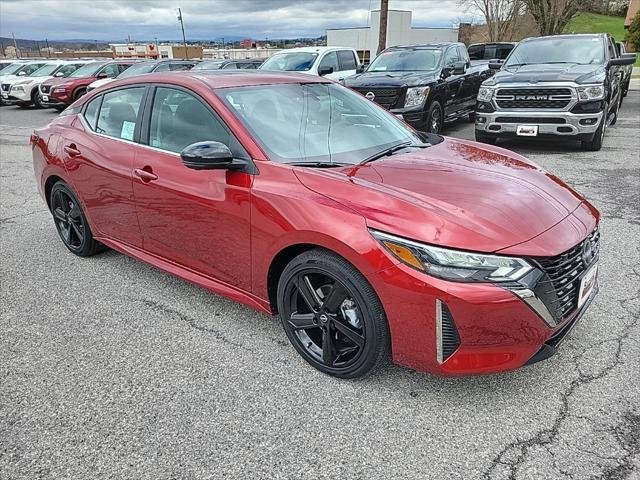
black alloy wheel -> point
(435, 118)
(321, 300)
(71, 223)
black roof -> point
(427, 45)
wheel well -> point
(278, 264)
(48, 185)
(34, 94)
(78, 92)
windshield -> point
(46, 70)
(138, 69)
(89, 70)
(290, 62)
(11, 68)
(208, 66)
(28, 69)
(580, 50)
(405, 60)
(316, 122)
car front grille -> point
(522, 98)
(532, 120)
(559, 288)
(45, 88)
(386, 97)
(5, 87)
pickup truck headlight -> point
(485, 94)
(454, 265)
(593, 92)
(416, 96)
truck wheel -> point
(615, 113)
(472, 117)
(596, 143)
(483, 138)
(435, 118)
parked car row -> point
(58, 83)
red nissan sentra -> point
(295, 195)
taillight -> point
(33, 139)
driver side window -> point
(451, 56)
(110, 70)
(179, 119)
(329, 60)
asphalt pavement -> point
(110, 368)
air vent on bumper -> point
(447, 338)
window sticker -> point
(127, 130)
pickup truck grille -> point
(560, 289)
(533, 97)
(386, 97)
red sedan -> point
(295, 195)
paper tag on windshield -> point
(127, 130)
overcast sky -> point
(204, 19)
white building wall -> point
(399, 32)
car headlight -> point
(485, 94)
(416, 96)
(17, 88)
(454, 265)
(594, 92)
(59, 90)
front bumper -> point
(505, 123)
(17, 96)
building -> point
(239, 53)
(399, 32)
(247, 43)
(154, 51)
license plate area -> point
(45, 98)
(527, 130)
(587, 285)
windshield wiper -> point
(388, 151)
(318, 164)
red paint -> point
(222, 230)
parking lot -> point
(112, 369)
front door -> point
(198, 219)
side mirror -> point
(325, 71)
(459, 68)
(625, 59)
(360, 69)
(447, 71)
(209, 156)
(59, 74)
(21, 74)
(101, 75)
(495, 64)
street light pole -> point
(184, 38)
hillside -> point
(594, 23)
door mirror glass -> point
(20, 74)
(59, 74)
(101, 75)
(208, 156)
(459, 68)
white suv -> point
(335, 63)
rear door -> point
(99, 156)
(196, 218)
(348, 63)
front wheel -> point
(332, 316)
(435, 118)
(71, 222)
(596, 143)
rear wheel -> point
(332, 316)
(37, 99)
(71, 222)
(435, 118)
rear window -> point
(347, 59)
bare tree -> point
(500, 16)
(552, 16)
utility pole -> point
(48, 51)
(39, 51)
(184, 39)
(384, 15)
(15, 45)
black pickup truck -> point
(426, 85)
(567, 86)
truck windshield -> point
(290, 62)
(577, 50)
(406, 60)
(316, 123)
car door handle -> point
(72, 150)
(146, 174)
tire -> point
(435, 118)
(332, 316)
(37, 100)
(78, 93)
(71, 222)
(617, 111)
(596, 143)
(484, 138)
(472, 117)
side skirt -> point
(192, 276)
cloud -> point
(204, 19)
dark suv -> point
(562, 86)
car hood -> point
(394, 79)
(546, 72)
(456, 194)
(11, 78)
